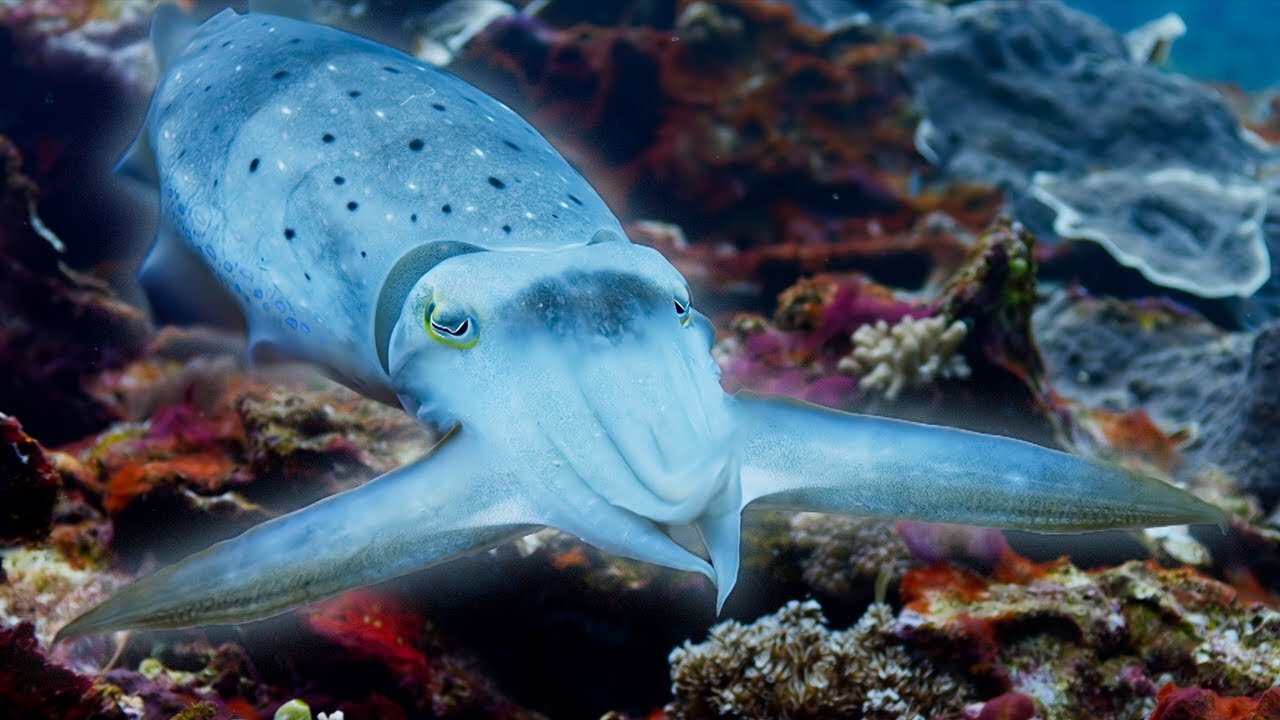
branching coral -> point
(909, 353)
(791, 665)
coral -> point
(373, 626)
(1097, 643)
(28, 485)
(839, 552)
(381, 629)
(32, 688)
(1180, 228)
(1151, 41)
(932, 543)
(693, 125)
(291, 433)
(995, 293)
(780, 148)
(192, 677)
(293, 710)
(798, 353)
(791, 665)
(1135, 436)
(1009, 706)
(1210, 393)
(140, 388)
(78, 74)
(44, 589)
(1003, 86)
(230, 452)
(1175, 703)
(909, 354)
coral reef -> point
(791, 665)
(1093, 644)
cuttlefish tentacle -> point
(801, 456)
(446, 504)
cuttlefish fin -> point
(805, 457)
(449, 503)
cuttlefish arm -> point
(460, 498)
(449, 503)
(804, 457)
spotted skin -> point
(302, 163)
(420, 242)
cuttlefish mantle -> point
(419, 242)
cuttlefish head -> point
(589, 360)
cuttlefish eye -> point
(451, 326)
(684, 308)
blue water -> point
(1234, 41)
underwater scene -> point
(639, 359)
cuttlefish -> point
(418, 241)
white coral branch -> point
(907, 354)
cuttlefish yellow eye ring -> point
(455, 329)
